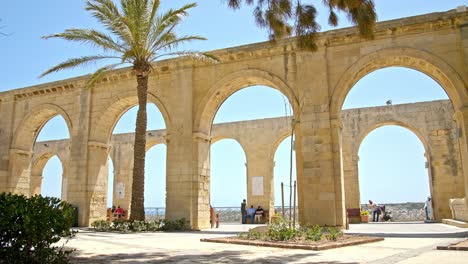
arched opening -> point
(47, 174)
(51, 184)
(393, 171)
(228, 185)
(155, 182)
(283, 176)
(409, 98)
(122, 141)
(253, 117)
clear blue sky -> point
(25, 56)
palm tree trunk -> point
(138, 186)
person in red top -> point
(119, 211)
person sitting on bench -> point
(258, 214)
(250, 212)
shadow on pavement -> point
(226, 256)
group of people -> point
(117, 212)
(254, 214)
(377, 210)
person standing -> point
(374, 207)
(428, 209)
(243, 209)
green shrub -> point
(333, 234)
(314, 233)
(174, 225)
(138, 226)
(153, 225)
(122, 226)
(254, 235)
(101, 225)
(29, 227)
(280, 231)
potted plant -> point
(364, 216)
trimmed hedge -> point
(29, 227)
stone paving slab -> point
(457, 246)
(348, 241)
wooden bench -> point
(353, 215)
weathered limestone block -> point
(459, 209)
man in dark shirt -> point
(258, 214)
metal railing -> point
(227, 214)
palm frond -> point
(175, 42)
(97, 75)
(90, 36)
(75, 62)
(106, 12)
(195, 55)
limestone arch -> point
(223, 88)
(419, 60)
(219, 138)
(153, 143)
(29, 128)
(37, 170)
(277, 142)
(424, 141)
(103, 126)
(362, 135)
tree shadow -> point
(226, 256)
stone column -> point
(7, 110)
(36, 184)
(260, 189)
(96, 185)
(20, 172)
(187, 181)
(351, 180)
(122, 158)
(320, 192)
(461, 116)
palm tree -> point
(138, 35)
(284, 18)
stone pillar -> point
(461, 117)
(7, 106)
(187, 181)
(36, 184)
(260, 171)
(351, 180)
(20, 172)
(337, 143)
(122, 158)
(96, 185)
(319, 176)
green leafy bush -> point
(314, 233)
(29, 227)
(174, 225)
(140, 226)
(280, 231)
(254, 235)
(333, 234)
(101, 225)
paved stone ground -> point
(186, 247)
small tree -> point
(29, 227)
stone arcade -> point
(188, 94)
